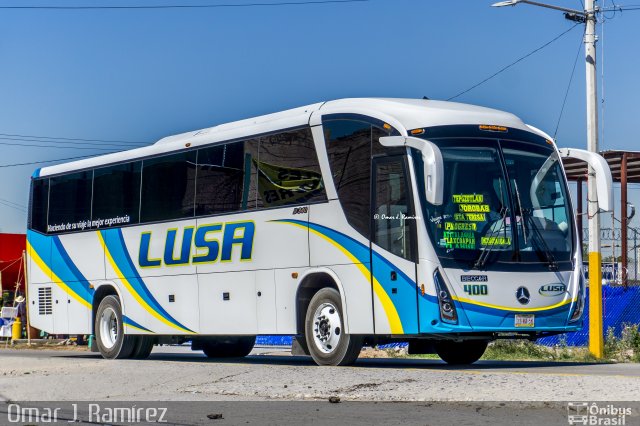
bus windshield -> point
(504, 201)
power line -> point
(49, 161)
(20, 209)
(73, 139)
(188, 6)
(621, 8)
(68, 142)
(514, 63)
(58, 147)
(11, 202)
(566, 93)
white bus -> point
(345, 223)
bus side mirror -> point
(433, 165)
(604, 181)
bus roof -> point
(403, 114)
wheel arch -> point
(102, 290)
(312, 281)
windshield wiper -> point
(540, 241)
(484, 255)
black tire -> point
(143, 347)
(460, 353)
(347, 347)
(228, 347)
(122, 345)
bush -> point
(624, 348)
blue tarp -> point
(620, 306)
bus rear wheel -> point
(460, 353)
(228, 347)
(327, 342)
(109, 329)
(143, 347)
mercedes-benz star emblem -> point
(523, 296)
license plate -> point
(525, 320)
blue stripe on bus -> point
(64, 268)
(114, 242)
(404, 301)
(55, 260)
(131, 323)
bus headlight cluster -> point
(448, 312)
(579, 307)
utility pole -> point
(596, 332)
(588, 17)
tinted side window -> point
(288, 170)
(168, 187)
(220, 179)
(70, 202)
(250, 185)
(349, 150)
(116, 195)
(392, 231)
(39, 204)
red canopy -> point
(11, 248)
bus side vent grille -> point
(45, 306)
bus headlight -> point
(580, 302)
(448, 312)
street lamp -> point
(535, 3)
(506, 3)
(588, 17)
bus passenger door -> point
(393, 247)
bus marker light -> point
(386, 126)
(417, 131)
(422, 289)
(188, 144)
(492, 128)
(294, 275)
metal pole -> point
(596, 336)
(26, 294)
(623, 214)
(579, 215)
(635, 248)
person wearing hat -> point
(19, 302)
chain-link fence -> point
(620, 306)
(614, 270)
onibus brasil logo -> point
(583, 413)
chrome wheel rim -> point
(108, 328)
(327, 328)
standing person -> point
(20, 303)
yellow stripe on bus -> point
(389, 308)
(43, 266)
(136, 296)
(137, 328)
(506, 308)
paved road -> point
(374, 391)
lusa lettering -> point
(213, 242)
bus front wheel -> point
(112, 342)
(324, 331)
(460, 353)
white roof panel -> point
(403, 114)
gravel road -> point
(178, 374)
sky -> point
(139, 75)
